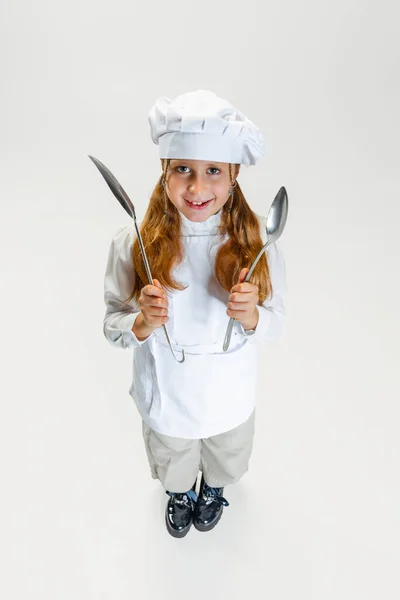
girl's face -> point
(191, 181)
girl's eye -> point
(184, 167)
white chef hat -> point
(201, 126)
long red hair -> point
(161, 236)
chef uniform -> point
(198, 414)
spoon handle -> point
(228, 334)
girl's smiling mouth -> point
(197, 206)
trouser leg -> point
(225, 457)
(174, 461)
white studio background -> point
(316, 517)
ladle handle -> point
(147, 266)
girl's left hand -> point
(242, 305)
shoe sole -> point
(201, 527)
(177, 534)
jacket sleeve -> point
(118, 283)
(271, 321)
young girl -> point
(200, 237)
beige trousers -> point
(223, 458)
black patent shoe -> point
(179, 512)
(209, 507)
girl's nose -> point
(195, 185)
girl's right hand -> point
(153, 303)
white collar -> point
(208, 227)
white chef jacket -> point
(212, 391)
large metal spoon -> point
(125, 201)
(276, 221)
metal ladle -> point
(126, 203)
(276, 221)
